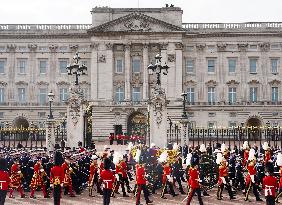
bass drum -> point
(208, 171)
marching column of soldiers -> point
(69, 173)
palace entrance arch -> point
(254, 125)
(21, 122)
(137, 124)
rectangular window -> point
(190, 66)
(2, 95)
(85, 93)
(211, 94)
(63, 94)
(21, 95)
(253, 94)
(211, 125)
(190, 95)
(119, 65)
(2, 66)
(136, 65)
(119, 95)
(232, 124)
(211, 66)
(253, 65)
(22, 66)
(63, 63)
(41, 114)
(231, 65)
(42, 96)
(136, 94)
(42, 66)
(232, 95)
(274, 94)
(274, 66)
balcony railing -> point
(43, 27)
(243, 103)
(31, 104)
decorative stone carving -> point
(109, 46)
(84, 82)
(158, 103)
(232, 82)
(253, 82)
(178, 46)
(221, 47)
(200, 46)
(264, 46)
(145, 46)
(73, 48)
(137, 24)
(171, 57)
(136, 80)
(119, 83)
(102, 59)
(190, 82)
(211, 83)
(21, 83)
(117, 118)
(62, 83)
(75, 101)
(53, 48)
(32, 47)
(94, 46)
(127, 47)
(11, 47)
(275, 82)
(163, 46)
(2, 83)
(42, 83)
(242, 47)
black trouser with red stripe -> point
(3, 194)
(107, 196)
(191, 194)
(270, 200)
(141, 187)
(57, 194)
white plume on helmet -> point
(252, 154)
(188, 159)
(223, 147)
(175, 146)
(130, 146)
(137, 155)
(203, 148)
(245, 145)
(117, 157)
(279, 159)
(219, 158)
(163, 157)
(94, 157)
(265, 146)
(152, 145)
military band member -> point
(279, 163)
(120, 173)
(36, 181)
(67, 179)
(246, 153)
(4, 180)
(270, 184)
(267, 153)
(108, 179)
(167, 180)
(57, 177)
(16, 180)
(94, 176)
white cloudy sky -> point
(78, 11)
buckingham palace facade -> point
(231, 72)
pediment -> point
(136, 22)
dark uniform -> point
(4, 181)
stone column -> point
(127, 72)
(164, 78)
(11, 72)
(110, 63)
(32, 91)
(178, 70)
(53, 74)
(50, 134)
(243, 71)
(75, 114)
(145, 71)
(94, 71)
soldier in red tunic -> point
(141, 183)
(15, 183)
(246, 153)
(93, 177)
(167, 179)
(36, 181)
(120, 173)
(267, 153)
(193, 184)
(4, 180)
(57, 177)
(107, 178)
(279, 163)
(270, 184)
(67, 179)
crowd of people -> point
(142, 168)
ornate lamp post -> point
(63, 133)
(76, 69)
(51, 99)
(158, 69)
(184, 114)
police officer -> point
(4, 180)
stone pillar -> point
(145, 72)
(178, 70)
(184, 135)
(127, 60)
(50, 134)
(164, 78)
(75, 113)
(32, 68)
(110, 63)
(94, 71)
(158, 119)
(11, 72)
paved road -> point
(84, 199)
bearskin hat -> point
(107, 164)
(279, 159)
(203, 148)
(265, 146)
(252, 155)
(3, 164)
(58, 158)
(269, 167)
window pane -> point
(119, 66)
(253, 94)
(119, 95)
(42, 96)
(211, 94)
(274, 65)
(232, 95)
(211, 66)
(190, 95)
(253, 65)
(189, 66)
(63, 94)
(136, 64)
(22, 66)
(231, 65)
(63, 65)
(21, 95)
(42, 66)
(274, 94)
(2, 66)
(2, 95)
(136, 94)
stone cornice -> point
(232, 82)
(63, 83)
(21, 83)
(42, 83)
(212, 83)
(2, 83)
(275, 82)
(253, 82)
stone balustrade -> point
(43, 27)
